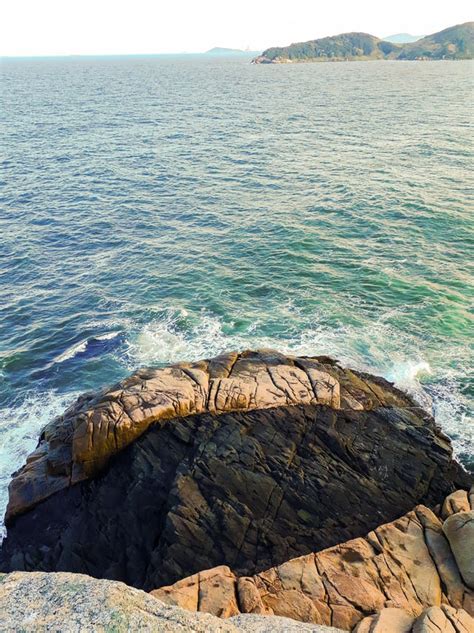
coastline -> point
(180, 469)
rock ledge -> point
(79, 444)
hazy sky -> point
(65, 27)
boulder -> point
(247, 460)
(444, 619)
(459, 530)
(80, 443)
(457, 501)
(388, 620)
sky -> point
(107, 27)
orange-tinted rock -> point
(443, 619)
(402, 576)
(198, 592)
(250, 600)
(248, 460)
(389, 620)
(459, 530)
(79, 444)
(457, 501)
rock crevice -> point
(402, 576)
(79, 444)
(247, 460)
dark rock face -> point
(246, 489)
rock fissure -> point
(277, 469)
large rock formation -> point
(402, 575)
(73, 603)
(247, 460)
(79, 444)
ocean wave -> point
(377, 347)
(20, 426)
(72, 351)
(82, 346)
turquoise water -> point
(161, 209)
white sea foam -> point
(106, 337)
(81, 347)
(20, 426)
(72, 351)
(385, 351)
(407, 372)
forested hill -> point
(456, 42)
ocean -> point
(157, 209)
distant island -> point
(403, 38)
(456, 42)
(217, 50)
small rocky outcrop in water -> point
(246, 460)
(401, 575)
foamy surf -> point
(71, 352)
(82, 346)
(20, 427)
(386, 352)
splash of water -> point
(20, 427)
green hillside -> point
(456, 42)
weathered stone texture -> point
(401, 577)
(74, 603)
(79, 444)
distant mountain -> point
(228, 51)
(456, 42)
(402, 38)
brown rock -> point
(457, 501)
(250, 600)
(80, 443)
(440, 551)
(212, 591)
(388, 620)
(184, 593)
(248, 460)
(408, 560)
(459, 530)
(223, 604)
(443, 619)
(459, 618)
(380, 583)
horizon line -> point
(68, 55)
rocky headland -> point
(456, 42)
(251, 484)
